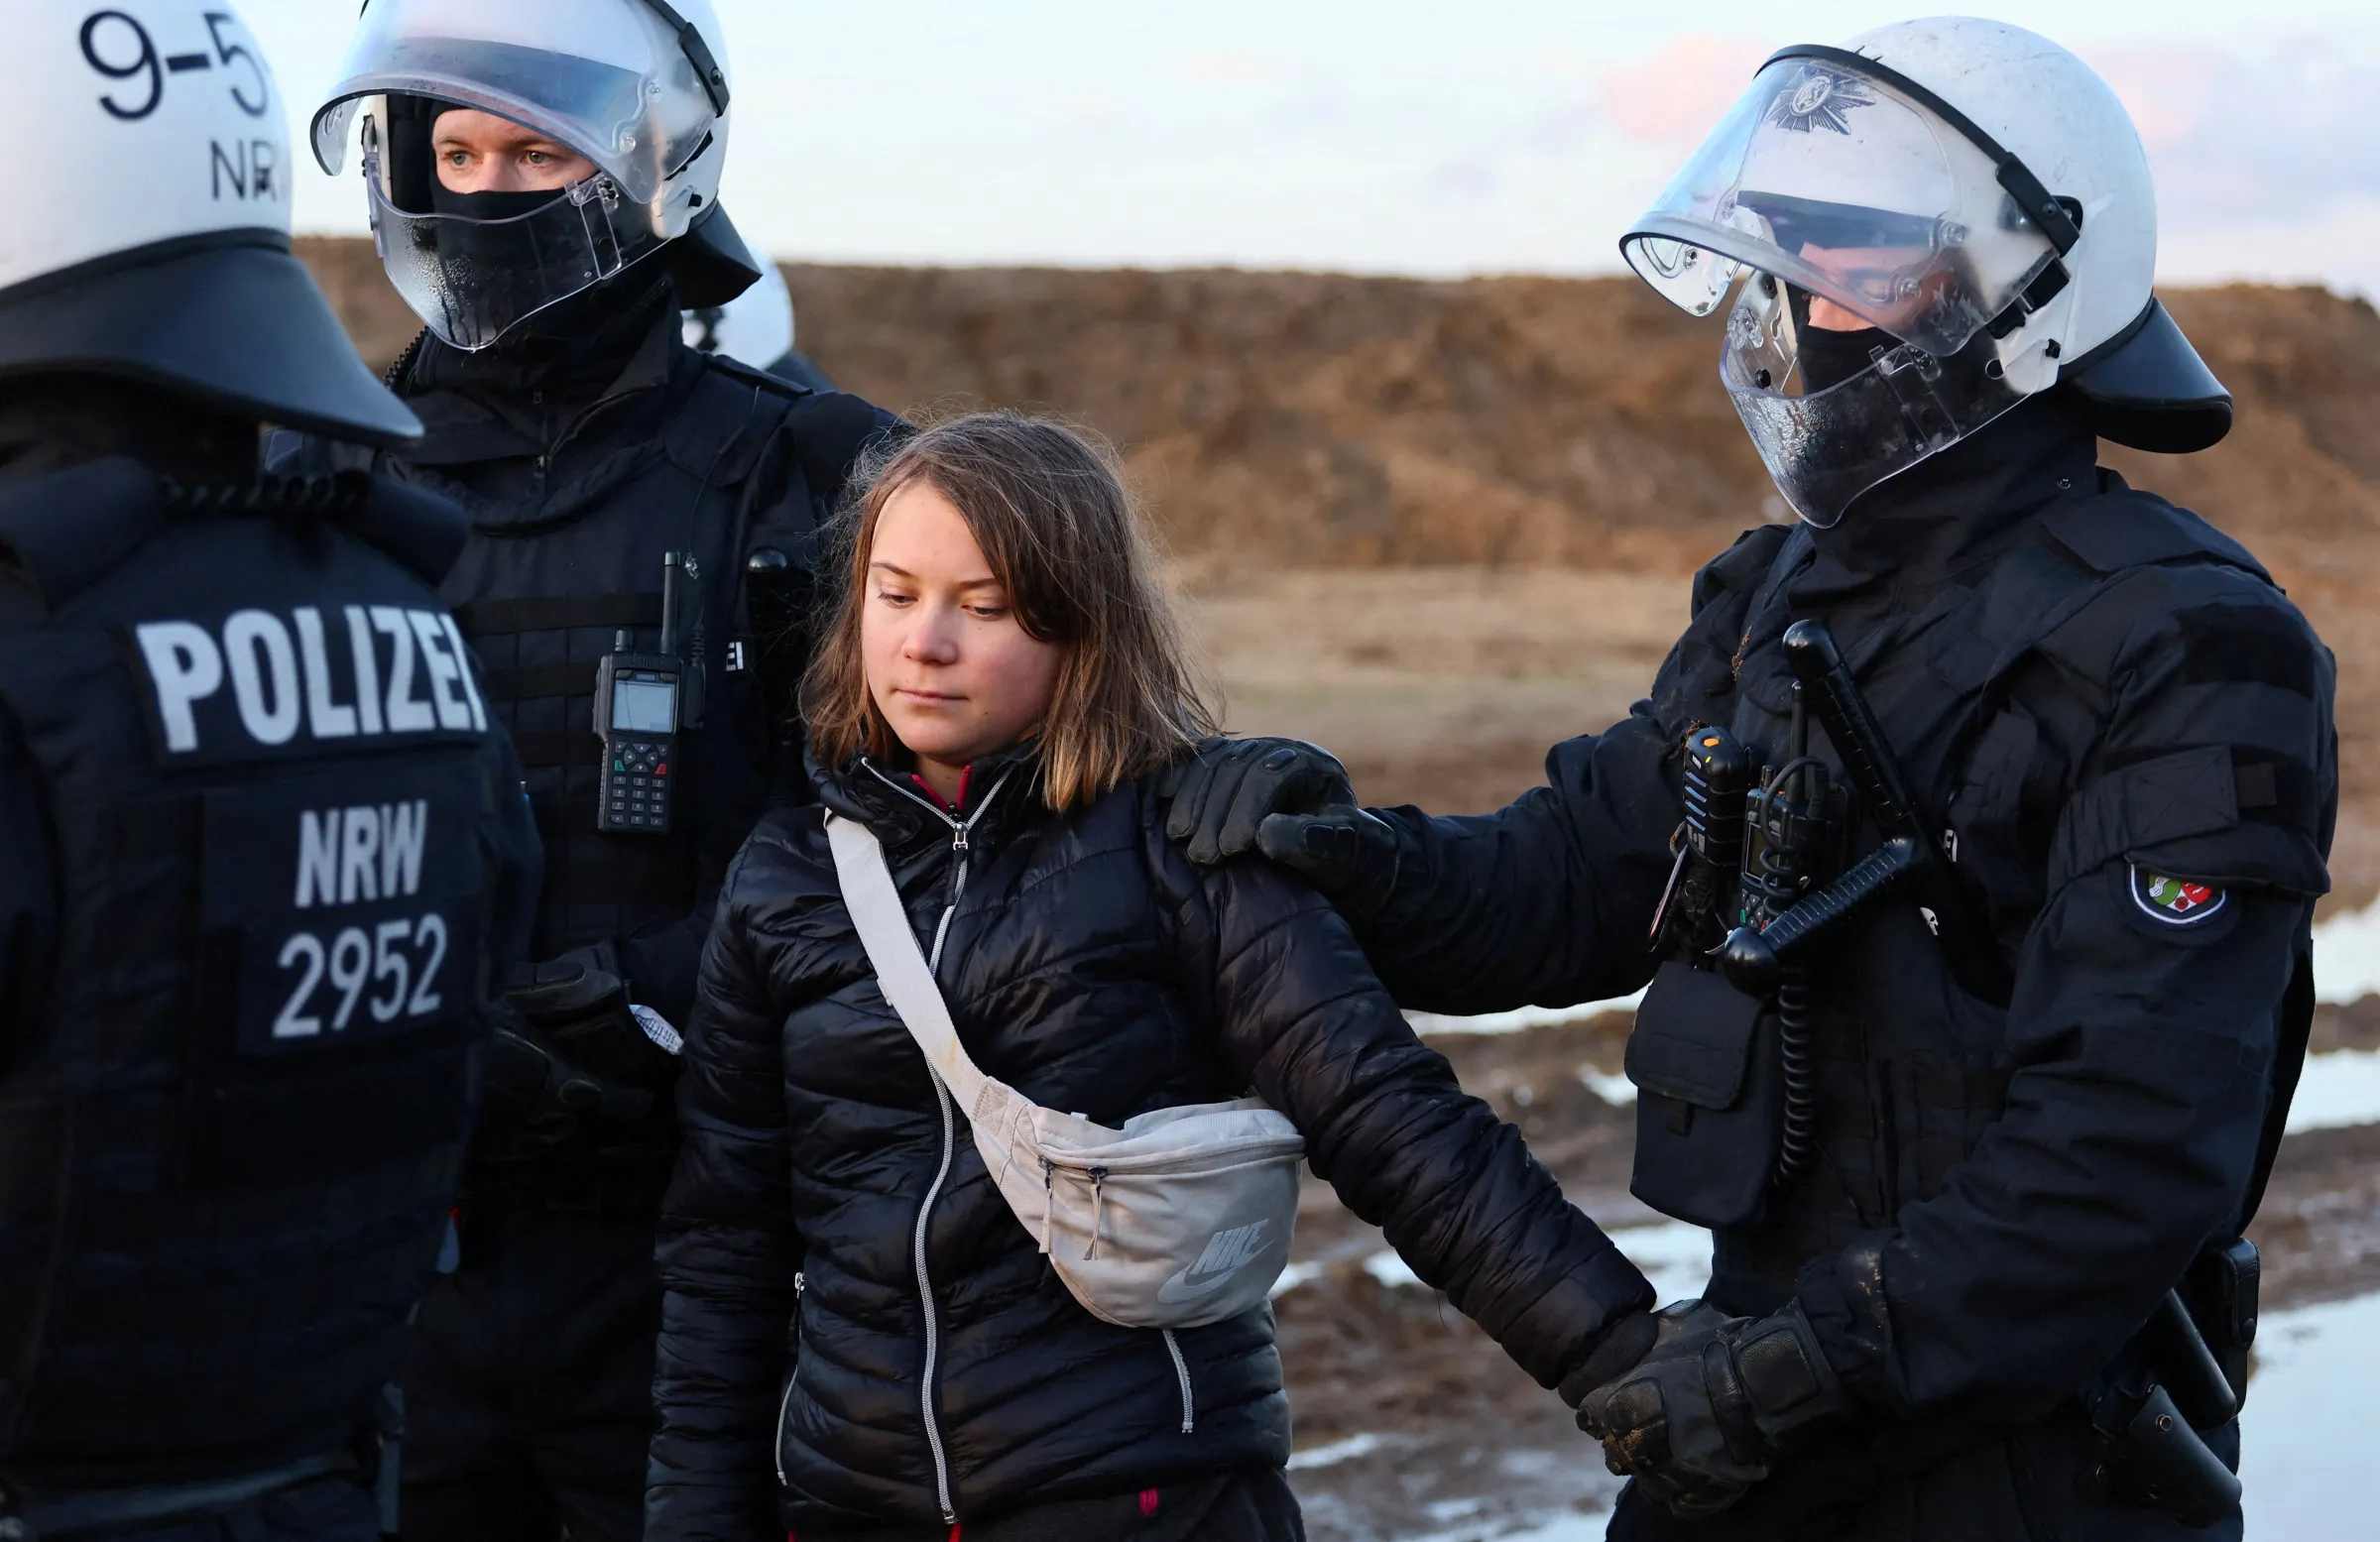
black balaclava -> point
(570, 352)
(489, 206)
(1828, 358)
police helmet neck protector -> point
(152, 139)
(1922, 229)
(637, 88)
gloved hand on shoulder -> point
(1292, 802)
(1710, 1405)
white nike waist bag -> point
(1181, 1218)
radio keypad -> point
(636, 790)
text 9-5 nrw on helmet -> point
(640, 87)
(149, 167)
(1972, 192)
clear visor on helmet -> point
(610, 78)
(1829, 436)
(1842, 185)
(473, 280)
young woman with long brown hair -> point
(862, 1338)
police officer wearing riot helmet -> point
(543, 178)
(1972, 1030)
(261, 846)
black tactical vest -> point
(544, 591)
(280, 814)
(1911, 1066)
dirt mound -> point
(1322, 419)
(1283, 420)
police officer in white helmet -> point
(1976, 821)
(756, 326)
(543, 178)
(261, 846)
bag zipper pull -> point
(1099, 1208)
(1050, 1199)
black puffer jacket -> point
(937, 1367)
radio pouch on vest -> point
(1179, 1218)
(1708, 1110)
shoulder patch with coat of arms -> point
(2176, 901)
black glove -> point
(1623, 1345)
(567, 1052)
(1291, 801)
(1699, 1420)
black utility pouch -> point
(2222, 1289)
(1710, 1101)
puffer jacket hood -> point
(928, 1366)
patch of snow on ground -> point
(2338, 1089)
(2346, 956)
(1675, 1256)
(1617, 1091)
(1335, 1452)
(1293, 1277)
(2307, 1433)
(1519, 1018)
(1572, 1527)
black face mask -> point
(489, 206)
(1829, 358)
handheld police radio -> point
(641, 702)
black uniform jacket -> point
(2091, 691)
(583, 450)
(814, 1269)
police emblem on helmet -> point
(1819, 99)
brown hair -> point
(1066, 541)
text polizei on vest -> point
(359, 672)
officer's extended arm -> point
(1545, 901)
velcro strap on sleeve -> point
(2190, 792)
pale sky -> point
(1431, 137)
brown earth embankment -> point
(1298, 421)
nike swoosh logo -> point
(1178, 1289)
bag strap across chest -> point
(901, 971)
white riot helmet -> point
(1971, 190)
(640, 87)
(150, 140)
(756, 327)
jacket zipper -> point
(1181, 1373)
(958, 830)
(784, 1405)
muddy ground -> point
(1425, 1429)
